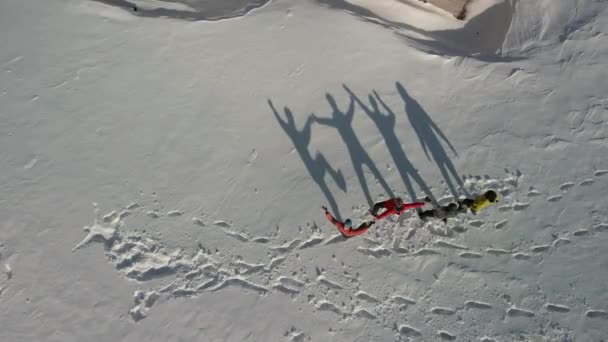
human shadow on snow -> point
(385, 120)
(317, 166)
(342, 122)
(430, 137)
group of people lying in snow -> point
(395, 206)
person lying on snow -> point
(443, 212)
(395, 206)
(346, 227)
(481, 202)
(453, 209)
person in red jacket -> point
(394, 206)
(346, 227)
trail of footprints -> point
(7, 273)
(142, 258)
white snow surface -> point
(196, 153)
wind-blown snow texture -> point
(196, 153)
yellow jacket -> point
(480, 202)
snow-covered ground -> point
(197, 152)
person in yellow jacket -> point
(481, 202)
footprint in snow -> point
(557, 307)
(133, 205)
(153, 214)
(497, 251)
(501, 224)
(261, 239)
(446, 244)
(561, 241)
(444, 335)
(174, 213)
(505, 207)
(521, 256)
(566, 186)
(601, 227)
(476, 223)
(378, 252)
(367, 297)
(197, 221)
(407, 330)
(443, 311)
(222, 224)
(599, 173)
(517, 312)
(400, 300)
(470, 255)
(364, 313)
(285, 289)
(471, 304)
(325, 305)
(596, 314)
(424, 251)
(539, 248)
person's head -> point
(399, 202)
(491, 195)
(348, 223)
(452, 207)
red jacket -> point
(391, 208)
(348, 232)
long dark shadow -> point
(196, 14)
(386, 125)
(430, 137)
(317, 166)
(342, 121)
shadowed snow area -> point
(188, 9)
(428, 28)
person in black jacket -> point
(444, 212)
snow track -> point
(339, 291)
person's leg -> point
(467, 202)
(424, 214)
(377, 208)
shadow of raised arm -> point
(302, 137)
(390, 115)
(324, 121)
(350, 112)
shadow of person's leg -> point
(335, 174)
(330, 198)
(361, 177)
(372, 167)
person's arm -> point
(407, 206)
(332, 219)
(347, 232)
(359, 231)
